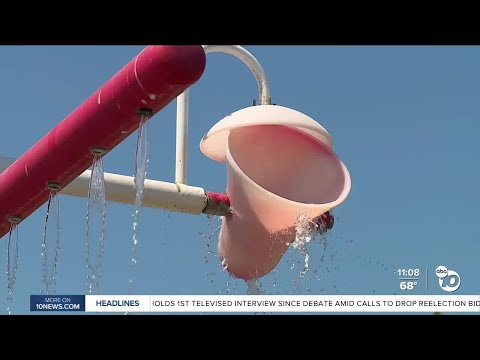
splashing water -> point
(50, 261)
(12, 252)
(305, 231)
(96, 210)
(141, 168)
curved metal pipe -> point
(181, 162)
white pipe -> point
(181, 162)
(156, 194)
(121, 189)
(253, 64)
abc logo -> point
(448, 280)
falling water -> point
(253, 287)
(212, 229)
(50, 261)
(305, 231)
(141, 168)
(12, 252)
(96, 211)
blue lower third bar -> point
(57, 302)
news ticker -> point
(255, 303)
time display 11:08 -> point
(408, 272)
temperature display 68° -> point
(408, 278)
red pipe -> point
(150, 81)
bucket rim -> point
(306, 206)
(214, 142)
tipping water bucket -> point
(279, 164)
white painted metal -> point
(248, 59)
(181, 158)
(120, 189)
(181, 162)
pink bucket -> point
(275, 171)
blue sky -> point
(405, 120)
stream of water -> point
(12, 264)
(51, 251)
(141, 169)
(96, 223)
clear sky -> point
(405, 120)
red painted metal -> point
(219, 198)
(151, 80)
(325, 222)
(217, 204)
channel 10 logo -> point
(449, 280)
